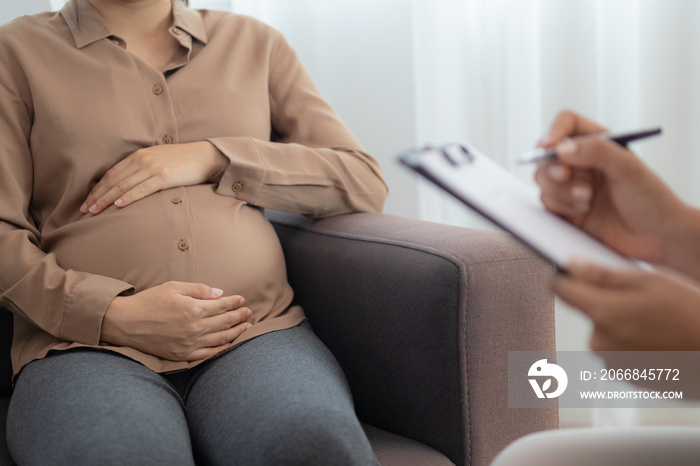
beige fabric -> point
(74, 101)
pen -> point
(542, 155)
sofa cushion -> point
(394, 450)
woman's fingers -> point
(226, 336)
(568, 124)
(220, 306)
(604, 277)
(195, 290)
(215, 342)
(126, 191)
(153, 169)
(226, 319)
(134, 178)
(217, 332)
(119, 173)
(563, 191)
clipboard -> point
(511, 204)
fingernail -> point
(581, 193)
(119, 202)
(544, 141)
(248, 313)
(84, 208)
(215, 292)
(567, 147)
(247, 327)
(93, 209)
(556, 172)
(241, 302)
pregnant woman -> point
(153, 321)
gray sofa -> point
(421, 317)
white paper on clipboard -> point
(510, 203)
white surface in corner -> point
(12, 9)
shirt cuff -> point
(244, 176)
(86, 306)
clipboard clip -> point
(455, 154)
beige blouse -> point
(74, 102)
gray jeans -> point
(279, 399)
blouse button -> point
(157, 89)
(176, 200)
(183, 245)
(167, 140)
(237, 187)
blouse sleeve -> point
(313, 164)
(67, 304)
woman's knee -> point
(92, 408)
(298, 436)
(77, 446)
(322, 436)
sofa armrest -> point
(421, 317)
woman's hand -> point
(176, 321)
(634, 310)
(153, 169)
(608, 192)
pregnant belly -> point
(188, 234)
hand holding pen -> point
(609, 192)
(604, 188)
(545, 154)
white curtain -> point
(496, 73)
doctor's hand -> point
(634, 310)
(176, 321)
(607, 191)
(153, 169)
